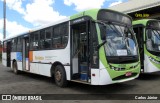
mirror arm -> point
(98, 46)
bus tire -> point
(60, 76)
(15, 69)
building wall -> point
(135, 5)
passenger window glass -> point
(60, 36)
(34, 41)
(19, 44)
(48, 39)
(42, 38)
(14, 44)
(56, 37)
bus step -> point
(80, 81)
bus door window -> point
(27, 47)
(8, 54)
(93, 46)
(80, 48)
(140, 39)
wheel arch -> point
(14, 60)
(53, 67)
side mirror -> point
(148, 41)
(149, 33)
(103, 33)
(126, 31)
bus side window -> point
(60, 36)
(64, 34)
(19, 44)
(14, 43)
(42, 39)
(48, 38)
(94, 44)
(139, 36)
(4, 47)
(34, 41)
(56, 37)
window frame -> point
(15, 46)
(32, 40)
(19, 49)
(59, 26)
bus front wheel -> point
(15, 70)
(60, 76)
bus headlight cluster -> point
(117, 69)
(135, 66)
(154, 60)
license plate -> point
(128, 74)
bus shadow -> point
(32, 76)
(82, 88)
(149, 76)
(105, 89)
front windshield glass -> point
(153, 40)
(119, 43)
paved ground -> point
(34, 84)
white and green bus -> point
(148, 37)
(96, 47)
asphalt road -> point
(26, 83)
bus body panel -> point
(95, 76)
(112, 74)
(18, 57)
(104, 76)
(41, 61)
(4, 59)
(149, 66)
(13, 57)
(34, 68)
(68, 72)
(45, 69)
(51, 56)
(19, 65)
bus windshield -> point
(153, 40)
(119, 43)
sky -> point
(24, 15)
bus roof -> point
(92, 12)
(38, 28)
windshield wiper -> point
(156, 34)
(98, 46)
(114, 29)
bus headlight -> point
(134, 66)
(116, 68)
(154, 60)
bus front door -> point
(80, 51)
(25, 54)
(8, 54)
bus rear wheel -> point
(15, 70)
(60, 76)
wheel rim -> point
(58, 75)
